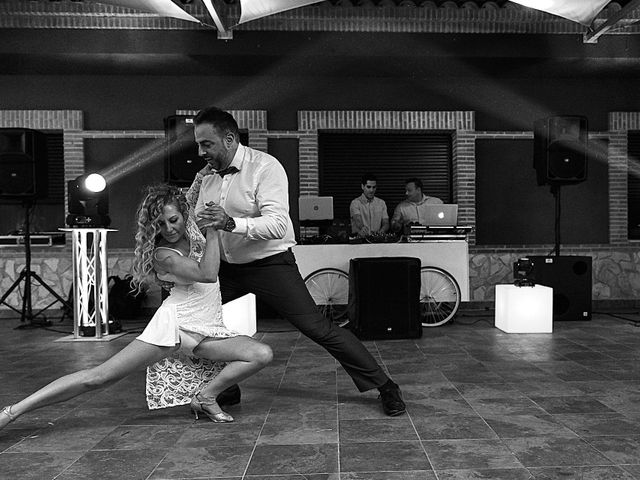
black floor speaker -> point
(570, 278)
(384, 297)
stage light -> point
(523, 273)
(88, 205)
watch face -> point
(231, 224)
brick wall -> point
(616, 265)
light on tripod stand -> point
(88, 204)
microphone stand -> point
(27, 275)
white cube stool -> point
(239, 315)
(524, 309)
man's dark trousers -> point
(276, 281)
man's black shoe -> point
(392, 402)
(230, 396)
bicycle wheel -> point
(439, 296)
(329, 288)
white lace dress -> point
(197, 308)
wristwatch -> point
(230, 225)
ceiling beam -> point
(592, 35)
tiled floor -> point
(481, 404)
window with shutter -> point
(392, 156)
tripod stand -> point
(27, 314)
(555, 189)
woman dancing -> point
(189, 321)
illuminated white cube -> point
(239, 314)
(524, 309)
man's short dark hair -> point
(221, 120)
(366, 177)
(416, 181)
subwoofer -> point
(23, 163)
(384, 297)
(181, 152)
(560, 150)
(570, 278)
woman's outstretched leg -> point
(135, 355)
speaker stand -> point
(27, 315)
(555, 189)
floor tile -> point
(295, 476)
(470, 454)
(620, 449)
(456, 426)
(294, 459)
(514, 426)
(488, 390)
(207, 462)
(485, 473)
(219, 434)
(553, 388)
(62, 436)
(136, 437)
(521, 405)
(554, 451)
(383, 456)
(130, 464)
(284, 431)
(599, 424)
(404, 475)
(571, 404)
(36, 465)
(439, 406)
(377, 430)
(581, 473)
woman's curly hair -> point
(148, 228)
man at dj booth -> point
(413, 209)
(368, 213)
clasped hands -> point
(213, 215)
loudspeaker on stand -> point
(23, 164)
(560, 150)
(181, 151)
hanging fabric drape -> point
(254, 9)
(163, 8)
(581, 11)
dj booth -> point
(336, 273)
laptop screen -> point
(444, 215)
(315, 208)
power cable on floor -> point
(483, 318)
(635, 322)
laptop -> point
(315, 208)
(441, 215)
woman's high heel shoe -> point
(6, 417)
(210, 408)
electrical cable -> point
(636, 322)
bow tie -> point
(227, 170)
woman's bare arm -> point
(188, 270)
